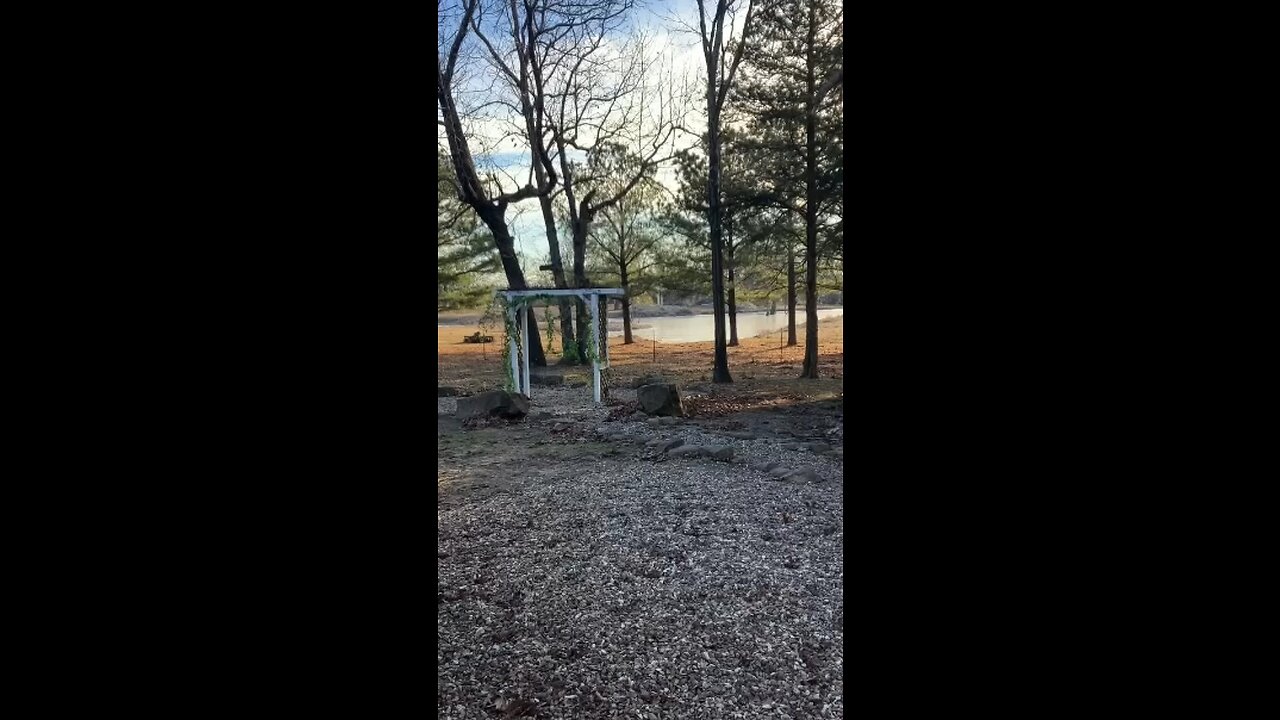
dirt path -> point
(585, 574)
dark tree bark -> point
(580, 280)
(720, 370)
(626, 305)
(515, 278)
(791, 295)
(557, 273)
(719, 80)
(492, 212)
(810, 369)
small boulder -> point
(687, 451)
(668, 420)
(721, 452)
(780, 472)
(804, 474)
(647, 380)
(446, 391)
(499, 403)
(661, 399)
(664, 444)
(818, 447)
(773, 465)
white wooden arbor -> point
(517, 315)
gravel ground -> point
(642, 586)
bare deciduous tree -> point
(722, 55)
(489, 201)
(604, 100)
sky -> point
(497, 148)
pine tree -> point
(464, 251)
(791, 96)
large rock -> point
(498, 403)
(648, 380)
(661, 399)
(806, 473)
(664, 444)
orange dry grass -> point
(757, 365)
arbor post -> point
(594, 304)
(513, 377)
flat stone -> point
(808, 474)
(780, 472)
(772, 464)
(446, 391)
(721, 452)
(740, 435)
(498, 403)
(818, 447)
(687, 451)
(793, 446)
(668, 420)
(664, 444)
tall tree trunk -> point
(493, 220)
(557, 271)
(810, 369)
(720, 371)
(791, 295)
(531, 109)
(626, 305)
(580, 280)
(733, 294)
(493, 216)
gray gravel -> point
(643, 586)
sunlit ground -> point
(759, 367)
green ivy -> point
(502, 307)
(551, 328)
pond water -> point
(701, 328)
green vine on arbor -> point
(502, 307)
(551, 327)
